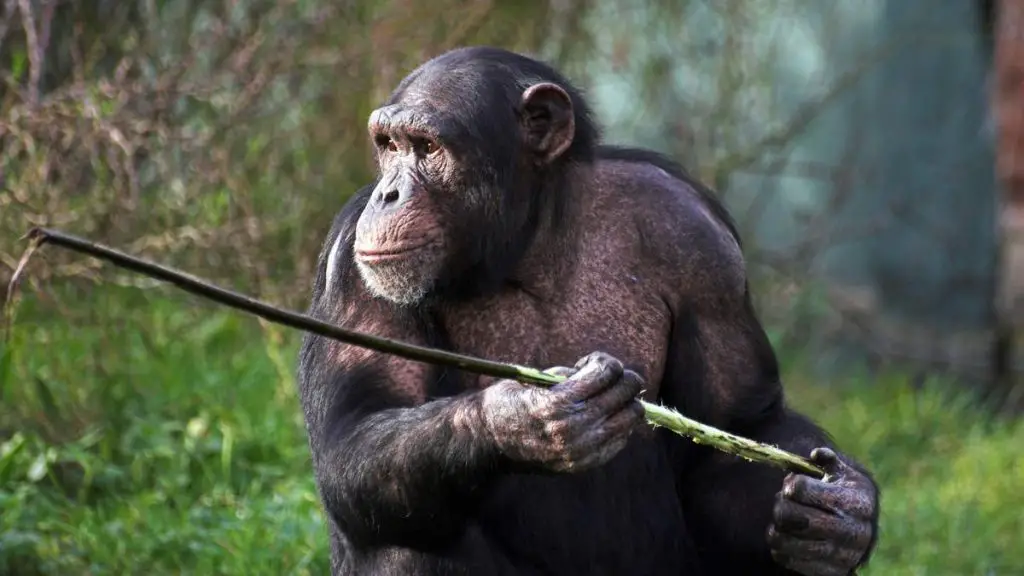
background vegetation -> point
(145, 432)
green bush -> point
(168, 439)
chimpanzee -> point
(500, 226)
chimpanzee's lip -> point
(392, 253)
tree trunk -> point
(1008, 109)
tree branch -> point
(656, 415)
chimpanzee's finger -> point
(602, 442)
(793, 519)
(831, 463)
(831, 497)
(595, 373)
(602, 453)
(625, 421)
(802, 549)
(615, 397)
(634, 380)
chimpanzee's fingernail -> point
(824, 456)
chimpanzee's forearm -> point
(404, 474)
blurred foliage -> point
(174, 442)
(143, 431)
(217, 135)
(171, 442)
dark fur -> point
(988, 14)
(409, 482)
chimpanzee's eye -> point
(385, 141)
(425, 146)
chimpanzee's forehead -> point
(463, 87)
(452, 101)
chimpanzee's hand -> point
(824, 527)
(578, 424)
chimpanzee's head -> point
(468, 149)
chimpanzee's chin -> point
(399, 282)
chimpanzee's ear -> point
(547, 120)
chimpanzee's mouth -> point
(370, 255)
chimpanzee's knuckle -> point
(794, 485)
(634, 383)
(633, 377)
(610, 364)
(604, 363)
(584, 361)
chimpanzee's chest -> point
(617, 314)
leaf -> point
(39, 468)
(47, 399)
(8, 451)
(227, 450)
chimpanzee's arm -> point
(746, 518)
(390, 472)
(752, 517)
(391, 466)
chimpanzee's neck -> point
(551, 251)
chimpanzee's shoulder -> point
(680, 224)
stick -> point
(657, 415)
(13, 285)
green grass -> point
(164, 439)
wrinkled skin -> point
(823, 527)
(577, 425)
